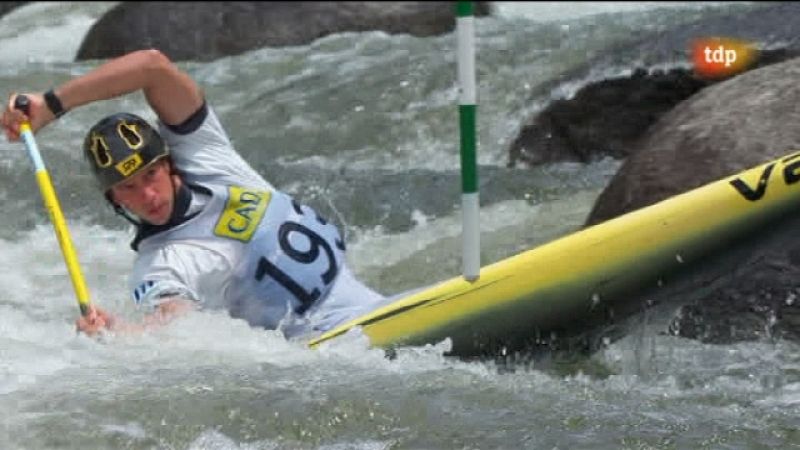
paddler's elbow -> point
(155, 60)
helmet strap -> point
(122, 211)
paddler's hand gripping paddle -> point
(22, 103)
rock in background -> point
(603, 119)
(204, 31)
(677, 132)
(726, 128)
(607, 117)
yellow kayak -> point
(580, 277)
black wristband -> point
(54, 103)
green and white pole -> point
(465, 29)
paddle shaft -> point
(22, 103)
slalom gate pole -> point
(465, 29)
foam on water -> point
(561, 11)
(38, 311)
(210, 381)
(47, 32)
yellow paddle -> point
(22, 103)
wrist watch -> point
(53, 103)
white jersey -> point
(248, 248)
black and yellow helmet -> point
(121, 145)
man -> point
(211, 232)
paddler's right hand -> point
(94, 321)
(39, 115)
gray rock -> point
(724, 129)
(753, 294)
(204, 31)
(606, 118)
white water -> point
(210, 382)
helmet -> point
(121, 145)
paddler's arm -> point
(98, 319)
(172, 93)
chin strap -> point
(123, 212)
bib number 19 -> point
(318, 244)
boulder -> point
(751, 294)
(204, 31)
(605, 118)
(726, 128)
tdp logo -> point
(791, 175)
(721, 57)
(242, 214)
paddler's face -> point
(149, 194)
